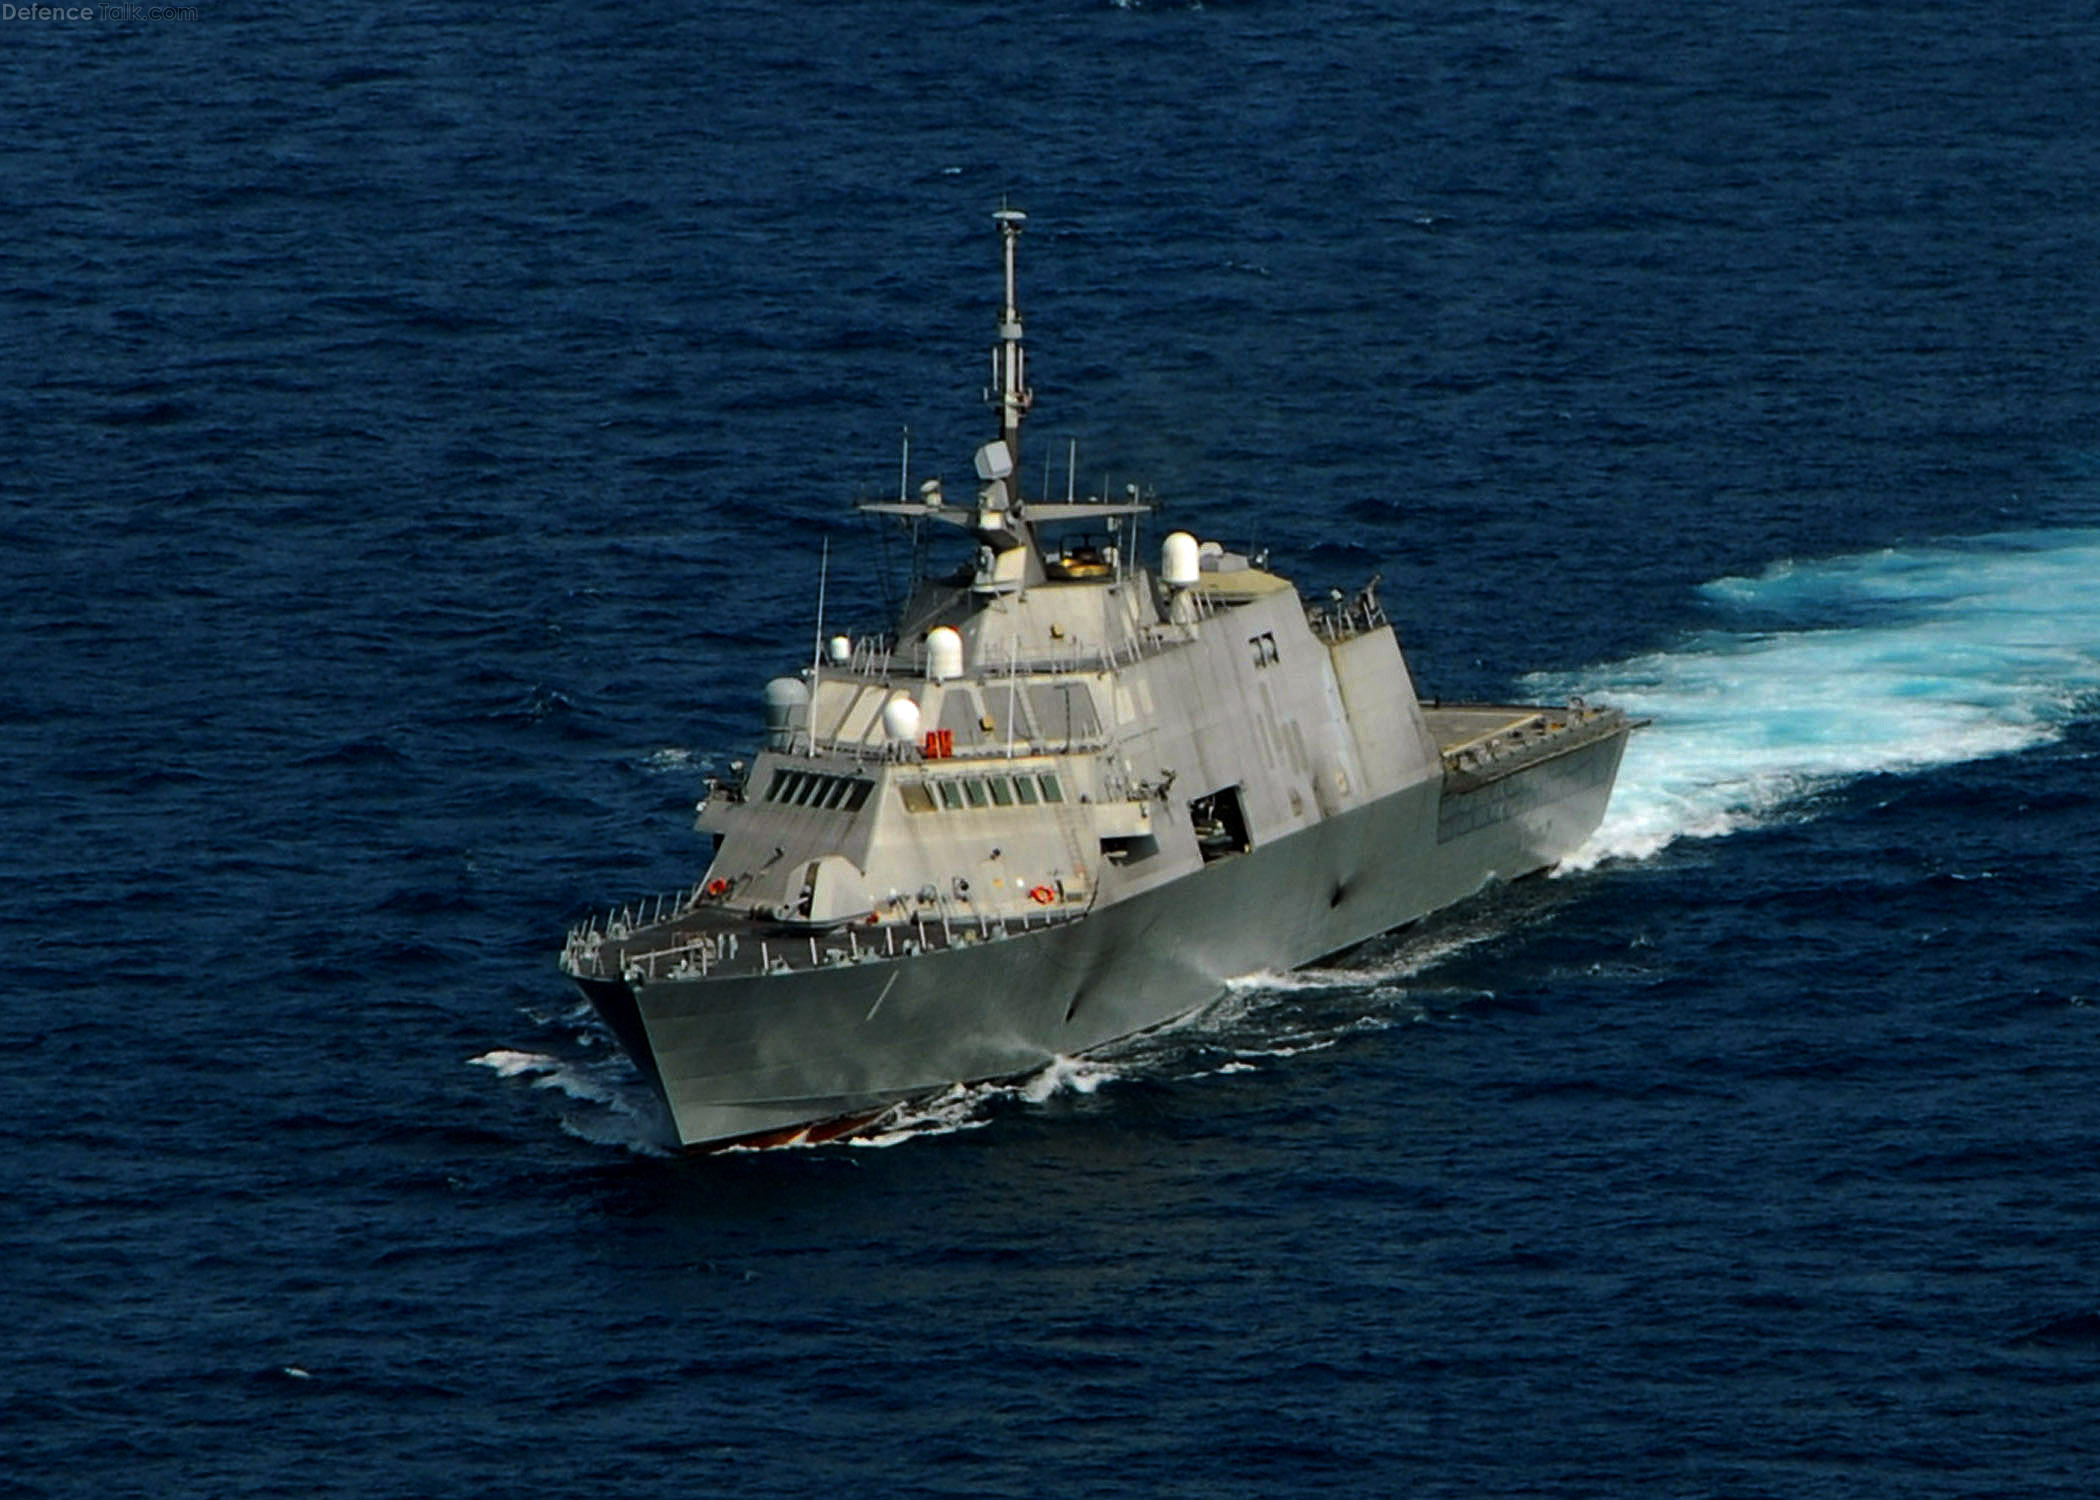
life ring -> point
(718, 887)
(1042, 895)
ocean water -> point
(420, 429)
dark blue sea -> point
(419, 429)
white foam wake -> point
(971, 1106)
(614, 1107)
(1389, 971)
(1884, 662)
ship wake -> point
(1822, 672)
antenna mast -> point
(816, 655)
(1010, 391)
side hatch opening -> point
(1221, 826)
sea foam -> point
(1888, 661)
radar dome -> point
(944, 656)
(1180, 561)
(787, 711)
(900, 720)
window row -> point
(962, 793)
(815, 789)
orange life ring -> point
(1042, 895)
(718, 887)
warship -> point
(1066, 799)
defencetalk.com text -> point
(97, 13)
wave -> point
(1883, 662)
(614, 1106)
(973, 1106)
(670, 759)
(1388, 970)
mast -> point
(1010, 393)
(1010, 555)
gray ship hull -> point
(760, 1057)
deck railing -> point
(597, 949)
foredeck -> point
(692, 935)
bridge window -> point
(813, 789)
